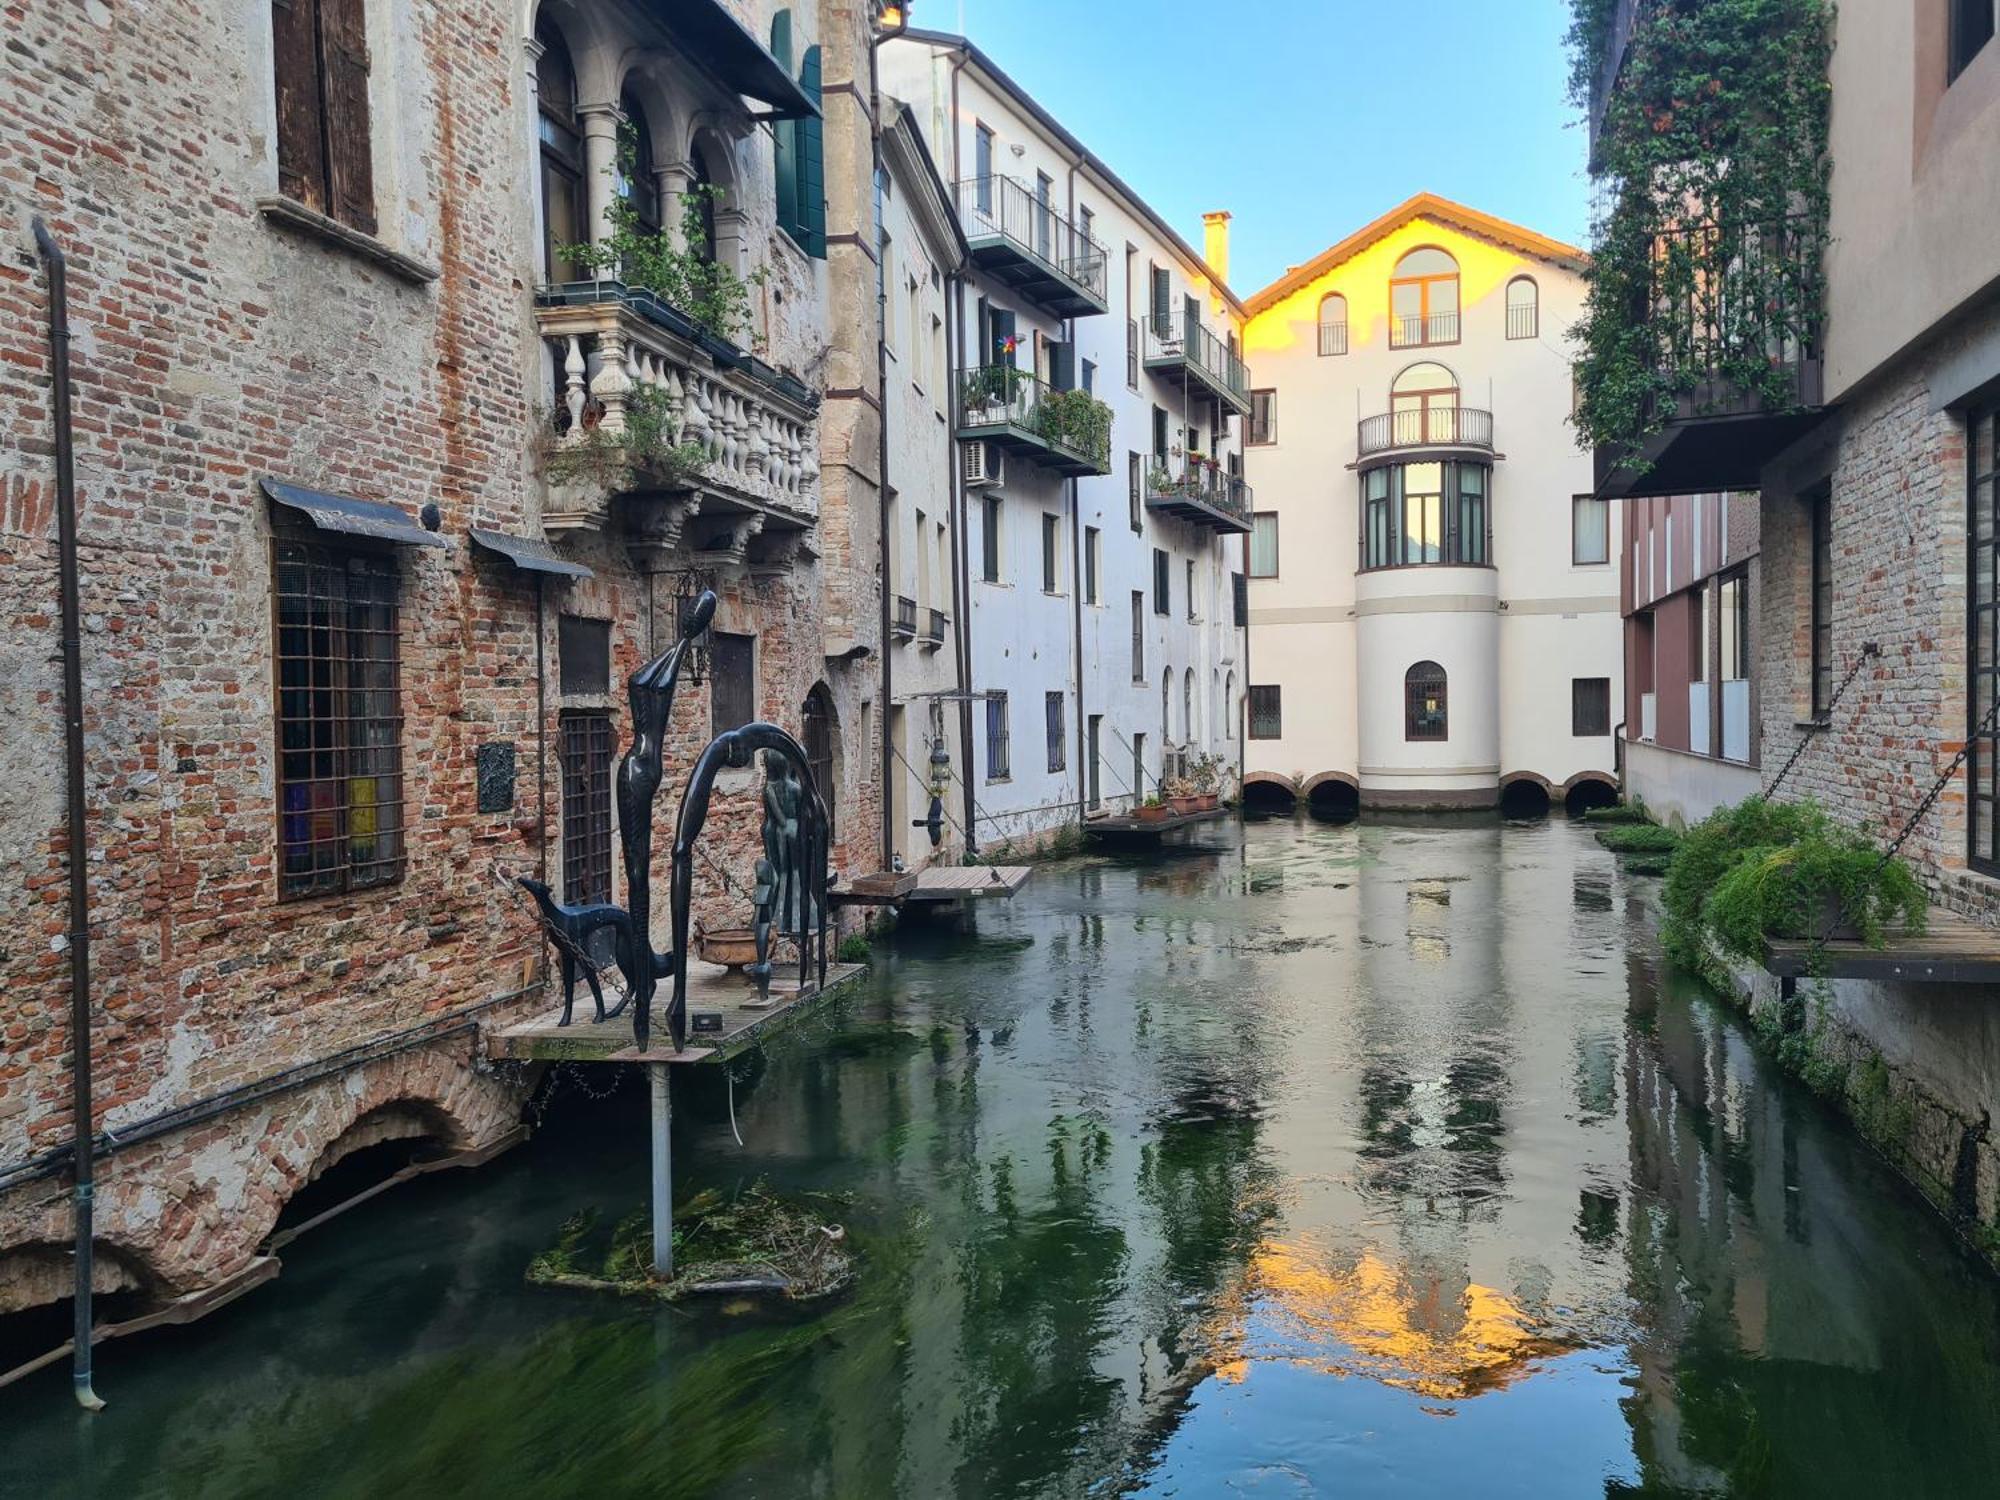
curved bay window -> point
(638, 174)
(561, 137)
(1423, 300)
(1414, 515)
(1425, 705)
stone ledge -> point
(291, 214)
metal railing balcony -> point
(1026, 242)
(934, 625)
(1068, 432)
(1203, 492)
(1183, 350)
(1333, 338)
(906, 616)
(1427, 427)
(1416, 333)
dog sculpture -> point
(572, 928)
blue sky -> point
(1303, 118)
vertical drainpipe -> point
(1076, 546)
(954, 489)
(82, 1112)
(541, 742)
(872, 195)
(963, 562)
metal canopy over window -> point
(351, 517)
(718, 41)
(529, 554)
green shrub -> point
(1708, 849)
(1638, 838)
(1623, 812)
(853, 949)
(1651, 865)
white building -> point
(1433, 594)
(1100, 626)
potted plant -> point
(1182, 797)
(1204, 773)
(1153, 810)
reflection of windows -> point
(1524, 308)
(1590, 530)
(732, 682)
(1267, 716)
(1423, 300)
(1971, 29)
(1733, 597)
(1589, 707)
(1424, 707)
(1416, 515)
(1262, 418)
(1332, 324)
(340, 721)
(1264, 544)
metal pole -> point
(82, 1113)
(659, 1075)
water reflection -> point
(1359, 1159)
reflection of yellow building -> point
(1369, 1317)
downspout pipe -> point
(884, 517)
(82, 1112)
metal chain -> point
(1869, 651)
(1984, 728)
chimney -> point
(1215, 242)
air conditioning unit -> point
(984, 464)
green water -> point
(1375, 1160)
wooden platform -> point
(710, 988)
(1135, 829)
(1951, 951)
(935, 884)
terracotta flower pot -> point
(1182, 806)
(732, 947)
(1157, 812)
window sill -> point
(291, 214)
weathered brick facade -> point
(218, 341)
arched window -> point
(1424, 703)
(561, 136)
(822, 732)
(702, 183)
(638, 175)
(1524, 308)
(1423, 300)
(1332, 324)
(1423, 405)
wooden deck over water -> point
(936, 884)
(1135, 829)
(1951, 950)
(712, 989)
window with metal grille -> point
(1589, 707)
(1138, 636)
(996, 737)
(1132, 485)
(1262, 419)
(1051, 554)
(1425, 710)
(1267, 718)
(732, 680)
(1052, 708)
(1162, 582)
(1239, 588)
(1821, 518)
(340, 721)
(1983, 618)
(583, 655)
(586, 806)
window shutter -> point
(1062, 365)
(344, 65)
(1002, 324)
(1239, 588)
(1162, 293)
(785, 135)
(812, 167)
(295, 71)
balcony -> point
(934, 623)
(1721, 299)
(906, 617)
(670, 435)
(1421, 333)
(1203, 493)
(1431, 432)
(1021, 241)
(1067, 432)
(1186, 355)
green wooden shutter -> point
(1062, 365)
(812, 167)
(785, 135)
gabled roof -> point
(1423, 206)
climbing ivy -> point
(1712, 160)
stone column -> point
(601, 124)
(673, 181)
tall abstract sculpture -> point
(795, 846)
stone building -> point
(383, 491)
(1433, 590)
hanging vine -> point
(1712, 156)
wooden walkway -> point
(1951, 950)
(938, 883)
(712, 990)
(1134, 829)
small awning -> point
(344, 513)
(529, 554)
(716, 41)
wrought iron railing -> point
(1204, 480)
(906, 616)
(1431, 426)
(934, 628)
(1001, 207)
(1333, 337)
(1186, 338)
(1523, 320)
(1415, 333)
(1748, 295)
(1075, 421)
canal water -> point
(1306, 1160)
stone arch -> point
(1526, 794)
(1332, 794)
(820, 734)
(1588, 789)
(1269, 791)
(36, 1273)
